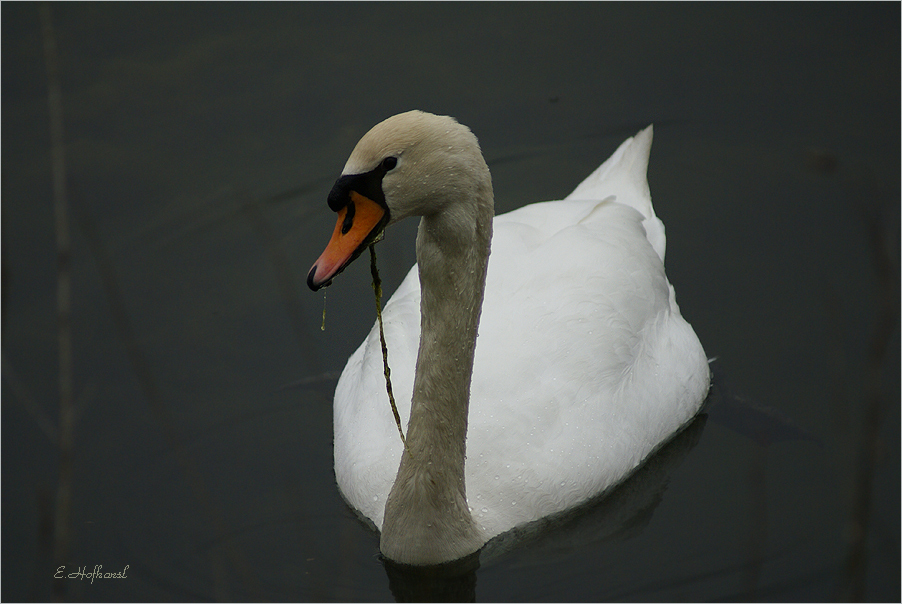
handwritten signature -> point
(84, 573)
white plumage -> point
(537, 357)
(583, 364)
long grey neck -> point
(427, 520)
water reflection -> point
(451, 582)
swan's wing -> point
(565, 398)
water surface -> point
(201, 142)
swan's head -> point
(412, 164)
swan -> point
(531, 378)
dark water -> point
(201, 141)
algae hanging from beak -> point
(377, 290)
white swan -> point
(582, 367)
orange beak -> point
(359, 223)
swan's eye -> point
(389, 163)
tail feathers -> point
(624, 176)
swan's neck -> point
(427, 520)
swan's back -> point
(583, 363)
